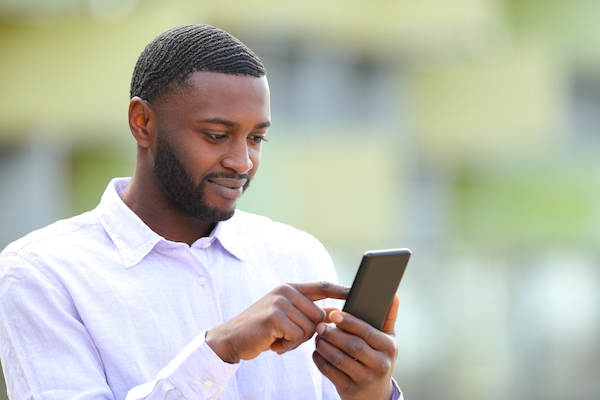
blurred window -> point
(317, 85)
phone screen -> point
(375, 285)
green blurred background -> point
(466, 130)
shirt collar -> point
(134, 239)
(227, 232)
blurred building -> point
(466, 130)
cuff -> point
(198, 370)
(397, 393)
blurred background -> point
(466, 130)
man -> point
(164, 291)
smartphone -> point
(375, 285)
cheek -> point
(198, 155)
(255, 158)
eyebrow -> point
(232, 124)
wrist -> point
(389, 393)
(220, 345)
(395, 391)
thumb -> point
(328, 311)
(390, 320)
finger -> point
(281, 346)
(293, 332)
(322, 290)
(348, 323)
(290, 298)
(336, 356)
(354, 347)
(328, 310)
(300, 320)
(349, 352)
(390, 320)
(337, 377)
(361, 379)
(295, 338)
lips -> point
(228, 188)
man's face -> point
(209, 141)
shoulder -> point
(283, 252)
(281, 245)
(61, 237)
(260, 228)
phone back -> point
(375, 285)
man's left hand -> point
(356, 357)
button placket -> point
(203, 280)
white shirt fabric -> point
(101, 307)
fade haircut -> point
(166, 63)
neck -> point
(148, 201)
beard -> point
(179, 185)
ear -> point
(141, 121)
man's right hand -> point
(280, 321)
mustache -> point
(226, 175)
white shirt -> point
(101, 307)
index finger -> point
(322, 290)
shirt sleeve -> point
(47, 352)
(329, 391)
(196, 373)
(397, 393)
(45, 349)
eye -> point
(258, 139)
(214, 137)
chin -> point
(213, 214)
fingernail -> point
(320, 329)
(336, 317)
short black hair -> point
(172, 56)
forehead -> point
(214, 94)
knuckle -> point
(368, 333)
(275, 315)
(324, 285)
(317, 316)
(368, 379)
(355, 347)
(351, 388)
(384, 366)
(392, 348)
(283, 289)
(280, 301)
(337, 360)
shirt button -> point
(202, 281)
(205, 246)
(208, 384)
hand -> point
(356, 357)
(280, 321)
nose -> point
(238, 157)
